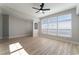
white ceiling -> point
(25, 9)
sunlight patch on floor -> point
(14, 47)
(17, 49)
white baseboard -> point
(19, 36)
(64, 40)
(71, 41)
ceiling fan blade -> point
(35, 8)
(37, 11)
(45, 9)
(41, 8)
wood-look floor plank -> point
(41, 46)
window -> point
(60, 25)
(52, 26)
(64, 25)
(36, 25)
(44, 26)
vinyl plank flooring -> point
(40, 46)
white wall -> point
(19, 27)
(0, 26)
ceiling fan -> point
(41, 8)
